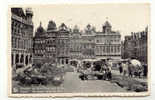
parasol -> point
(135, 62)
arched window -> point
(17, 59)
(21, 59)
(111, 49)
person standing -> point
(145, 70)
(125, 68)
(130, 70)
(108, 70)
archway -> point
(62, 61)
(22, 58)
(17, 59)
(30, 59)
(66, 61)
(26, 60)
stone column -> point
(19, 58)
(13, 60)
(119, 49)
(109, 50)
(59, 61)
(24, 58)
(64, 61)
(112, 49)
(28, 59)
(105, 50)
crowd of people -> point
(100, 69)
(126, 68)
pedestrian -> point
(130, 70)
(109, 75)
(108, 70)
(145, 69)
(140, 71)
(124, 65)
(103, 70)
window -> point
(118, 49)
(115, 49)
(66, 61)
(103, 49)
(112, 49)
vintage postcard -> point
(69, 50)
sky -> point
(125, 18)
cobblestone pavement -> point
(73, 84)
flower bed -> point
(130, 84)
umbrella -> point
(135, 62)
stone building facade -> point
(91, 44)
(128, 47)
(135, 46)
(45, 41)
(61, 45)
(51, 42)
(88, 43)
(76, 44)
(52, 45)
(21, 36)
(39, 45)
(108, 43)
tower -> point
(29, 15)
(107, 26)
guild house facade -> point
(59, 44)
(108, 43)
(21, 36)
(51, 45)
(62, 44)
(135, 46)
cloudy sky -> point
(125, 18)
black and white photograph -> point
(79, 49)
